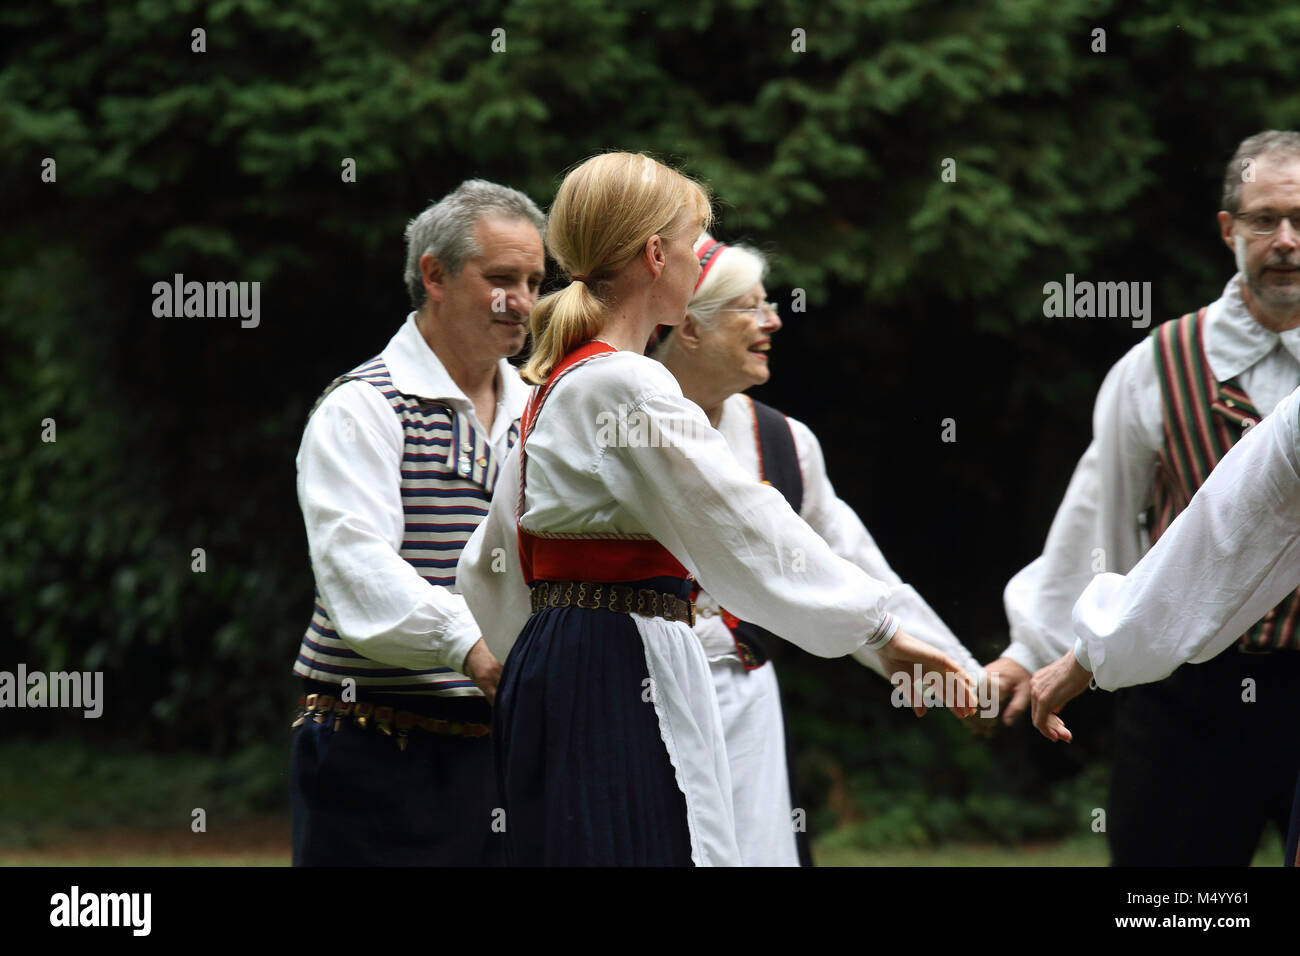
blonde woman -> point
(720, 350)
(609, 743)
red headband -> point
(708, 254)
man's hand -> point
(483, 669)
(904, 651)
(1052, 688)
(1010, 682)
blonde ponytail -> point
(560, 323)
(605, 211)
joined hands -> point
(903, 651)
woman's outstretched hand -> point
(914, 665)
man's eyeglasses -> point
(1266, 223)
(757, 309)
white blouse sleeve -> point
(1231, 556)
(832, 518)
(740, 538)
(488, 574)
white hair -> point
(733, 272)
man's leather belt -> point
(619, 598)
(320, 707)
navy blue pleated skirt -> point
(581, 764)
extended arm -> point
(1233, 554)
(349, 475)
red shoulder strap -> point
(580, 354)
(588, 350)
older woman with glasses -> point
(718, 351)
(609, 743)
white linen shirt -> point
(685, 489)
(737, 537)
(1098, 525)
(1229, 558)
(349, 487)
(839, 525)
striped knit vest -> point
(1203, 419)
(448, 473)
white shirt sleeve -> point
(832, 518)
(740, 538)
(489, 574)
(685, 489)
(1229, 558)
(1098, 524)
(349, 487)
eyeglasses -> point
(1265, 223)
(757, 309)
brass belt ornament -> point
(319, 706)
(618, 598)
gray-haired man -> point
(391, 762)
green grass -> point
(1070, 853)
(137, 859)
(63, 804)
(144, 848)
(1087, 851)
(51, 788)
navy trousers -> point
(1198, 771)
(358, 800)
(584, 772)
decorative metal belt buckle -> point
(341, 709)
(620, 598)
(364, 711)
(647, 602)
(591, 603)
(405, 721)
(384, 718)
(308, 704)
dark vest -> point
(1203, 419)
(778, 466)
